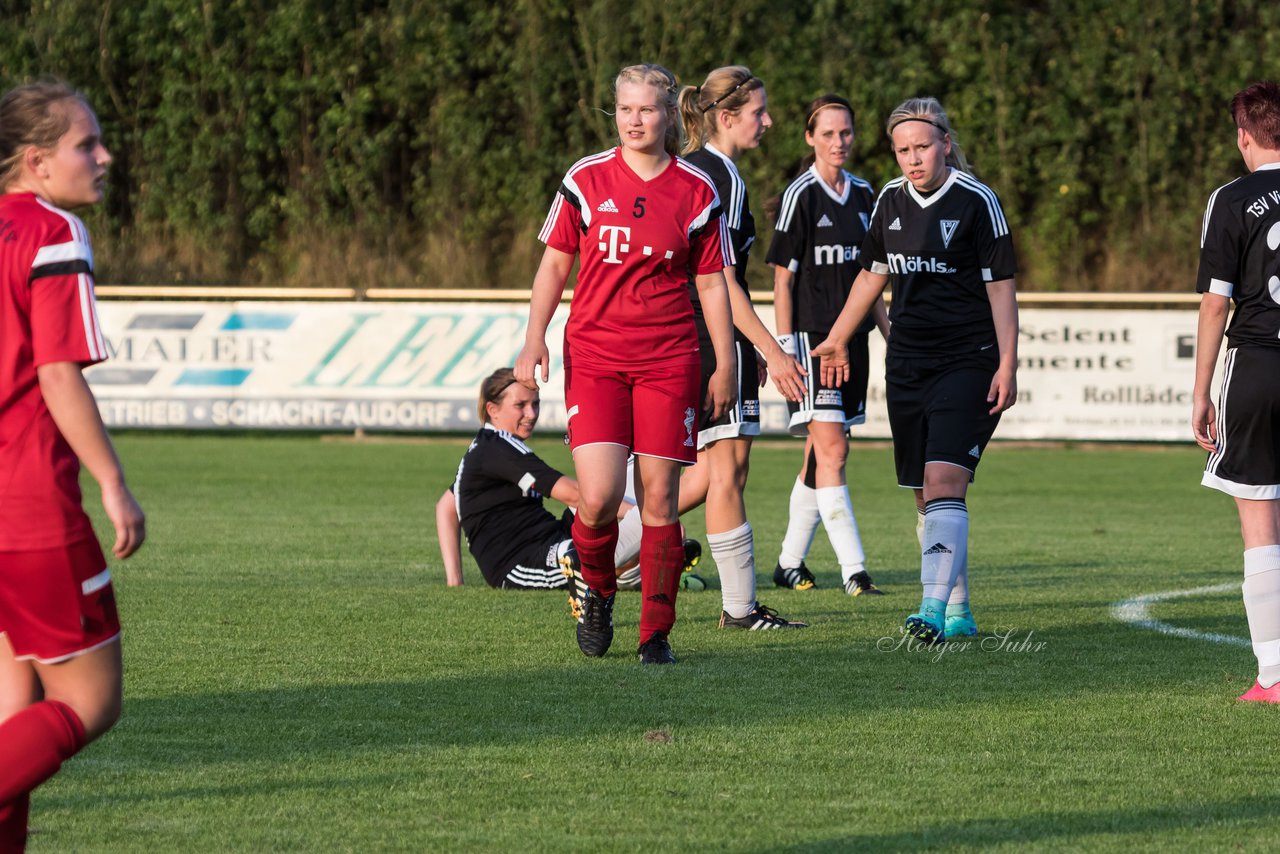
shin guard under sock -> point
(595, 553)
(1262, 607)
(33, 745)
(946, 546)
(661, 563)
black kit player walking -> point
(941, 237)
(725, 117)
(822, 219)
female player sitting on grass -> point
(60, 667)
(497, 499)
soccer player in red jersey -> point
(725, 117)
(60, 667)
(641, 222)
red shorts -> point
(57, 603)
(653, 412)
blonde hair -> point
(665, 82)
(929, 111)
(726, 90)
(493, 389)
(31, 115)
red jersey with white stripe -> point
(638, 243)
(47, 315)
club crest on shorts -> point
(690, 415)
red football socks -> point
(661, 562)
(33, 745)
(595, 553)
(13, 825)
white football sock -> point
(734, 554)
(801, 525)
(842, 529)
(1262, 607)
(960, 590)
(946, 546)
(629, 530)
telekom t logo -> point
(611, 237)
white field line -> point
(1136, 612)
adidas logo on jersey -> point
(607, 206)
(976, 453)
(825, 222)
(937, 549)
(896, 225)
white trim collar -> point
(926, 201)
(828, 189)
(728, 161)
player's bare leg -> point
(919, 493)
(91, 684)
(726, 506)
(1260, 529)
(695, 480)
(19, 687)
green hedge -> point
(418, 143)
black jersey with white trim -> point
(817, 237)
(738, 219)
(1240, 255)
(737, 207)
(499, 490)
(940, 252)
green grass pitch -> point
(299, 677)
